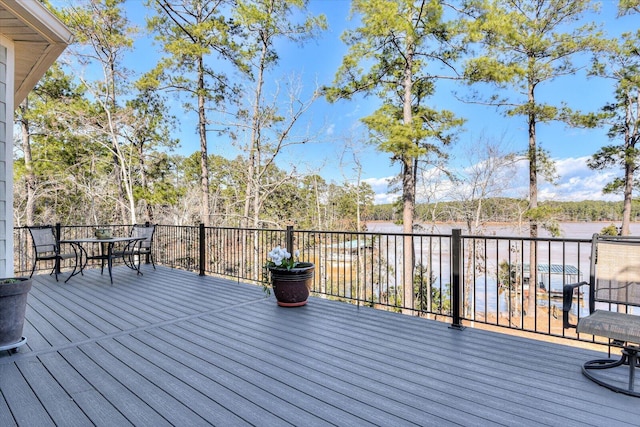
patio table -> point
(105, 252)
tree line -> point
(95, 141)
(506, 210)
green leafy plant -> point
(610, 230)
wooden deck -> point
(173, 348)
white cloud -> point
(386, 198)
(573, 165)
(380, 187)
(576, 182)
(378, 183)
(331, 129)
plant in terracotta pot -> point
(291, 279)
(13, 304)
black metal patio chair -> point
(140, 248)
(47, 248)
(614, 308)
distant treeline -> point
(508, 210)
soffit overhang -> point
(38, 37)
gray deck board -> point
(407, 389)
(248, 371)
(125, 371)
(58, 404)
(173, 348)
(134, 409)
(88, 399)
(23, 403)
(325, 366)
(348, 371)
(182, 384)
(223, 382)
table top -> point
(103, 240)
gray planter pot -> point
(13, 304)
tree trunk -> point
(408, 203)
(204, 157)
(317, 197)
(629, 167)
(408, 185)
(533, 203)
(144, 182)
(29, 176)
(630, 160)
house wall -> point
(6, 157)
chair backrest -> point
(44, 239)
(144, 231)
(615, 270)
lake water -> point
(570, 230)
(486, 296)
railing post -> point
(456, 264)
(290, 239)
(58, 231)
(203, 252)
(147, 257)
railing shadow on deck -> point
(457, 278)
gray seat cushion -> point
(610, 324)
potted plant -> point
(13, 305)
(291, 279)
(102, 233)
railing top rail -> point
(354, 233)
(526, 238)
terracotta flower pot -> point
(13, 305)
(291, 287)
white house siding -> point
(31, 39)
(6, 158)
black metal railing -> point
(462, 279)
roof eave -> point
(53, 38)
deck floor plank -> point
(130, 373)
(329, 366)
(114, 304)
(50, 324)
(89, 400)
(82, 305)
(368, 369)
(135, 410)
(391, 365)
(244, 371)
(187, 386)
(74, 323)
(342, 383)
(55, 400)
(214, 378)
(23, 403)
(32, 331)
(6, 419)
(170, 347)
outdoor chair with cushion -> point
(614, 307)
(47, 248)
(140, 248)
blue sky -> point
(337, 123)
